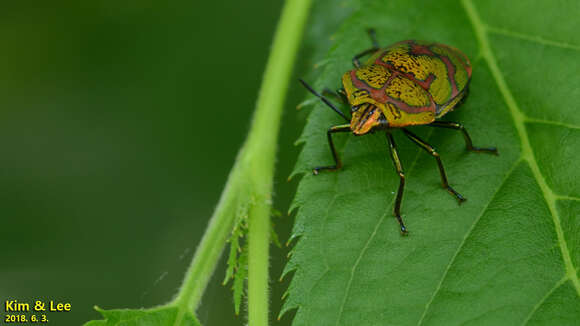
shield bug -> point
(405, 84)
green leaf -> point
(162, 316)
(510, 254)
(238, 259)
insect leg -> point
(468, 144)
(399, 168)
(342, 94)
(355, 59)
(434, 153)
(336, 95)
(337, 163)
(373, 37)
(324, 99)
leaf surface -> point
(162, 316)
(509, 255)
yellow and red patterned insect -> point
(405, 84)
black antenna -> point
(325, 100)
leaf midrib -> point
(519, 120)
(527, 153)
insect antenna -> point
(324, 99)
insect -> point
(405, 84)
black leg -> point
(342, 94)
(468, 144)
(337, 163)
(372, 35)
(434, 153)
(399, 168)
(324, 99)
(355, 59)
(338, 95)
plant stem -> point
(250, 182)
(262, 141)
(209, 250)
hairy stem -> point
(263, 137)
(250, 182)
(209, 250)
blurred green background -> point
(120, 122)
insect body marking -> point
(418, 63)
(404, 94)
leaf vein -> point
(531, 38)
(544, 298)
(560, 197)
(554, 123)
(354, 267)
(519, 121)
(448, 267)
(341, 309)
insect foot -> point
(458, 196)
(404, 231)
